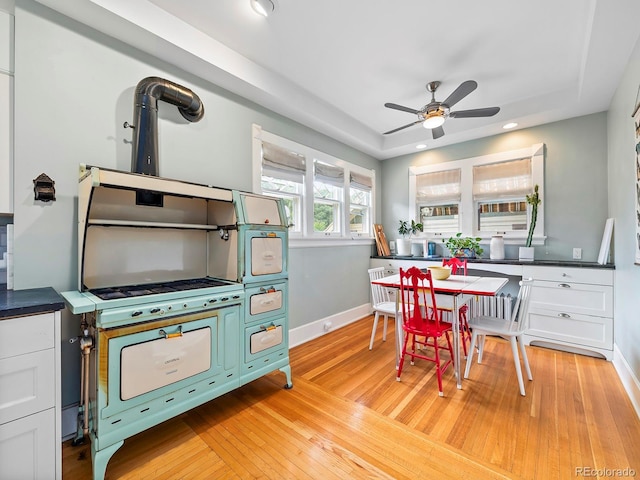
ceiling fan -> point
(433, 114)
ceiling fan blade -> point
(437, 132)
(403, 127)
(459, 93)
(395, 106)
(477, 112)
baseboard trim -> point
(629, 380)
(305, 333)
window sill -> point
(329, 242)
(518, 240)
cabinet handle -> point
(564, 285)
(564, 315)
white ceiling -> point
(333, 64)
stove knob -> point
(155, 310)
(184, 306)
(136, 313)
(224, 299)
(213, 300)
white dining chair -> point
(510, 329)
(381, 302)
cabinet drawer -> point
(265, 338)
(27, 384)
(580, 330)
(26, 334)
(266, 301)
(570, 275)
(572, 298)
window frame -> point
(468, 220)
(307, 236)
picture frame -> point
(636, 220)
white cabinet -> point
(571, 308)
(30, 431)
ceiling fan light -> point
(263, 7)
(433, 121)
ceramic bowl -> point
(440, 273)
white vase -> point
(496, 248)
(404, 247)
(525, 254)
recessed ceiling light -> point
(509, 125)
(422, 145)
(263, 7)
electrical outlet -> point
(577, 253)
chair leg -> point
(384, 328)
(403, 352)
(472, 349)
(525, 359)
(373, 330)
(516, 359)
(481, 347)
(464, 331)
(438, 371)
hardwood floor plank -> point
(348, 417)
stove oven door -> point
(265, 256)
(154, 364)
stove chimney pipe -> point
(144, 153)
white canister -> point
(496, 248)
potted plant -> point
(407, 229)
(526, 252)
(460, 246)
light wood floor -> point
(347, 417)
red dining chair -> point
(459, 267)
(421, 325)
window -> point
(499, 193)
(480, 196)
(328, 194)
(438, 200)
(283, 174)
(324, 197)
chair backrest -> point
(458, 265)
(519, 321)
(416, 288)
(379, 294)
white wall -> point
(622, 197)
(73, 92)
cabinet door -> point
(27, 447)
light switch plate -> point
(577, 253)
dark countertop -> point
(540, 263)
(17, 303)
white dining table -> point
(452, 294)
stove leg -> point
(99, 459)
(287, 371)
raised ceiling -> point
(333, 64)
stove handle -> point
(166, 335)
